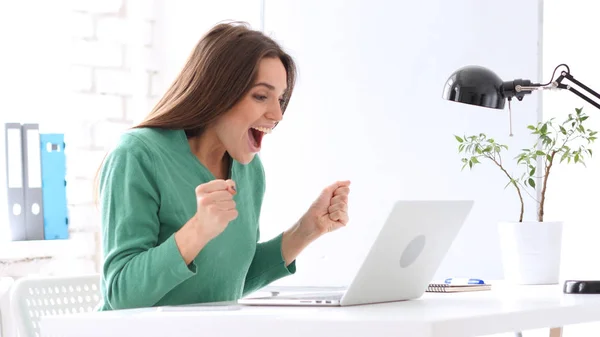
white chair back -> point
(35, 297)
(6, 323)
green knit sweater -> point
(147, 192)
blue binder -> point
(54, 191)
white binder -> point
(32, 163)
(14, 181)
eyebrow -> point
(268, 86)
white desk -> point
(504, 309)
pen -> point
(463, 281)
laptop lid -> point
(408, 251)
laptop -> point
(400, 264)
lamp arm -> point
(521, 87)
(568, 76)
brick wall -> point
(112, 71)
(113, 66)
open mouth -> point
(256, 135)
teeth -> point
(262, 129)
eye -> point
(260, 98)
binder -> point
(32, 173)
(14, 181)
(54, 190)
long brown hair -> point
(218, 73)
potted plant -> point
(531, 250)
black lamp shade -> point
(475, 85)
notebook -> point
(453, 288)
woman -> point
(181, 193)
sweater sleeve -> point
(137, 270)
(267, 265)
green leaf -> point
(540, 153)
(532, 171)
(544, 129)
(460, 140)
(577, 158)
(474, 160)
(590, 152)
(563, 130)
(531, 127)
(531, 182)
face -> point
(241, 129)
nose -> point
(275, 112)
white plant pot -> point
(531, 251)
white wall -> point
(182, 23)
(84, 69)
(569, 37)
(30, 85)
(368, 108)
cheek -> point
(252, 111)
(235, 125)
(233, 131)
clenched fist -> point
(216, 207)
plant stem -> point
(515, 185)
(545, 182)
(544, 186)
(524, 187)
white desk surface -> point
(503, 309)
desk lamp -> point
(480, 86)
(476, 85)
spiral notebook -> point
(454, 288)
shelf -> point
(14, 250)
